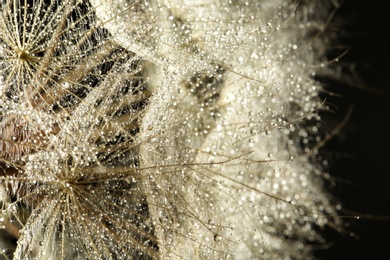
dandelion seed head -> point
(161, 129)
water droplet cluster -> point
(161, 129)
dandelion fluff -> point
(162, 129)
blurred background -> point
(359, 154)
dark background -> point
(359, 154)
